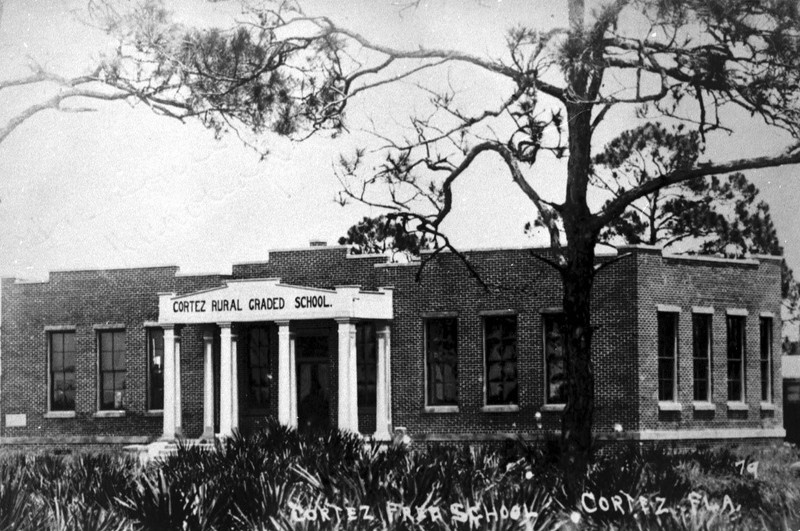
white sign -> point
(269, 300)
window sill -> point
(670, 406)
(154, 413)
(738, 406)
(109, 414)
(440, 409)
(553, 407)
(506, 408)
(768, 406)
(704, 406)
(60, 415)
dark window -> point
(259, 348)
(62, 371)
(667, 355)
(766, 359)
(501, 360)
(736, 342)
(441, 352)
(155, 368)
(112, 369)
(792, 392)
(701, 341)
(554, 359)
(367, 363)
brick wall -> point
(624, 303)
(686, 282)
(519, 282)
(86, 301)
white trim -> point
(703, 309)
(496, 313)
(60, 328)
(767, 314)
(723, 433)
(768, 406)
(78, 439)
(706, 258)
(109, 413)
(350, 256)
(24, 281)
(741, 312)
(438, 315)
(704, 406)
(487, 249)
(668, 308)
(643, 435)
(440, 409)
(59, 415)
(179, 273)
(553, 407)
(398, 264)
(120, 268)
(105, 327)
(667, 405)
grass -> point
(278, 479)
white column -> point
(292, 383)
(169, 383)
(234, 382)
(178, 416)
(382, 404)
(352, 372)
(347, 419)
(225, 381)
(208, 386)
(285, 371)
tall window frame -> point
(736, 347)
(668, 334)
(765, 362)
(554, 360)
(111, 369)
(702, 353)
(367, 364)
(500, 360)
(155, 369)
(441, 361)
(61, 370)
(259, 350)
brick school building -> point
(685, 348)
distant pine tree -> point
(716, 216)
(380, 235)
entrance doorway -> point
(313, 379)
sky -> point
(121, 187)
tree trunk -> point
(576, 432)
(577, 278)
